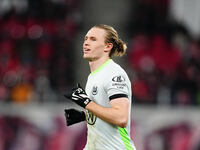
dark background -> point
(41, 59)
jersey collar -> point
(101, 67)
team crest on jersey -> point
(90, 118)
(94, 90)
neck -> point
(97, 63)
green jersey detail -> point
(101, 67)
(124, 136)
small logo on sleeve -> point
(119, 82)
(118, 79)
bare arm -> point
(117, 114)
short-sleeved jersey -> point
(106, 83)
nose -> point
(86, 43)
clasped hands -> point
(79, 96)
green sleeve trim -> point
(101, 67)
(125, 138)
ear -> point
(108, 47)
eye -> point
(93, 38)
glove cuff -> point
(86, 102)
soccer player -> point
(107, 98)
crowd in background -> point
(17, 133)
(37, 65)
(37, 55)
(36, 49)
(164, 57)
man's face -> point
(94, 45)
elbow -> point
(123, 123)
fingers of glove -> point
(69, 122)
(72, 121)
(68, 117)
(72, 113)
(74, 116)
(79, 86)
(68, 110)
(68, 96)
(77, 89)
(67, 114)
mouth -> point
(86, 50)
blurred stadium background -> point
(41, 58)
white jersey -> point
(109, 81)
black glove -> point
(79, 96)
(74, 116)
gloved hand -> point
(79, 96)
(73, 116)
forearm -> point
(113, 115)
(117, 114)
